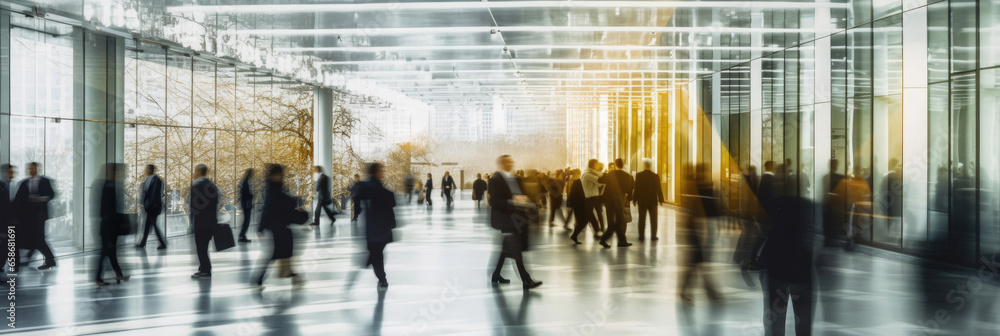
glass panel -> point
(63, 230)
(963, 35)
(989, 145)
(989, 33)
(178, 179)
(937, 42)
(963, 160)
(41, 71)
(179, 84)
(939, 168)
(886, 176)
(150, 85)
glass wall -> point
(80, 99)
(889, 63)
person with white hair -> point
(647, 196)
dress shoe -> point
(500, 279)
(101, 283)
(140, 245)
(383, 284)
(605, 245)
(642, 238)
(576, 241)
(533, 284)
(201, 275)
(46, 266)
(655, 238)
(624, 244)
(161, 247)
(123, 278)
(244, 240)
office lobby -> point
(822, 167)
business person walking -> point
(110, 209)
(246, 202)
(647, 196)
(508, 213)
(34, 194)
(380, 219)
(447, 186)
(203, 206)
(152, 205)
(323, 198)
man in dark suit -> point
(355, 203)
(429, 186)
(625, 183)
(508, 213)
(768, 189)
(323, 198)
(647, 195)
(447, 186)
(152, 204)
(616, 215)
(246, 202)
(6, 208)
(34, 194)
(478, 189)
(380, 219)
(203, 206)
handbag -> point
(126, 224)
(223, 237)
(299, 217)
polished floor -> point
(437, 272)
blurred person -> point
(152, 205)
(447, 186)
(380, 219)
(791, 179)
(275, 216)
(478, 189)
(110, 208)
(769, 186)
(33, 195)
(355, 205)
(8, 220)
(834, 204)
(510, 213)
(855, 193)
(555, 188)
(409, 183)
(592, 191)
(647, 196)
(428, 189)
(613, 199)
(751, 235)
(692, 231)
(323, 198)
(203, 207)
(420, 192)
(578, 202)
(789, 259)
(246, 202)
(626, 183)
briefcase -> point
(223, 237)
(299, 217)
(126, 224)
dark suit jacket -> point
(429, 185)
(612, 187)
(109, 208)
(152, 196)
(479, 188)
(203, 205)
(323, 189)
(5, 207)
(246, 194)
(647, 189)
(576, 199)
(38, 211)
(502, 212)
(447, 181)
(788, 254)
(768, 189)
(380, 218)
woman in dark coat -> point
(110, 217)
(275, 217)
(377, 202)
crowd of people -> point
(777, 225)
